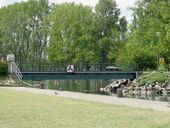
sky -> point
(122, 4)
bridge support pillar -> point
(10, 59)
(9, 67)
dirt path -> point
(147, 104)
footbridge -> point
(56, 71)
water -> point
(92, 86)
(150, 97)
(83, 86)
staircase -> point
(15, 72)
(17, 75)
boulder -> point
(168, 87)
(119, 93)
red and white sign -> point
(70, 68)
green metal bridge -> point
(61, 71)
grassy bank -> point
(154, 76)
(27, 110)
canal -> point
(90, 86)
(83, 86)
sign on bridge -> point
(10, 57)
(70, 68)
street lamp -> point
(158, 34)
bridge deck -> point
(77, 75)
(55, 71)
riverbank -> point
(138, 103)
(7, 81)
(152, 85)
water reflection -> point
(91, 86)
(84, 86)
(150, 97)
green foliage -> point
(74, 33)
(138, 58)
(72, 39)
(145, 60)
(3, 68)
(149, 35)
(155, 76)
(162, 67)
(79, 35)
(111, 29)
(68, 32)
(24, 29)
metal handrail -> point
(16, 71)
(61, 67)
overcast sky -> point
(123, 4)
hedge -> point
(3, 68)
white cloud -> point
(123, 5)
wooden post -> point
(119, 93)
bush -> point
(145, 60)
(137, 58)
(3, 68)
(153, 77)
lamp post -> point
(158, 35)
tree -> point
(149, 32)
(23, 29)
(110, 29)
(71, 38)
(39, 27)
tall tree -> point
(71, 38)
(111, 29)
(39, 27)
(150, 32)
(24, 29)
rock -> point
(101, 89)
(112, 88)
(55, 93)
(150, 92)
(164, 93)
(131, 92)
(42, 85)
(149, 88)
(119, 93)
(168, 87)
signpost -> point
(161, 61)
(162, 64)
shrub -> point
(145, 60)
(153, 77)
(3, 68)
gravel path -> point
(146, 104)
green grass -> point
(27, 110)
(155, 76)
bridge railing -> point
(16, 71)
(61, 67)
